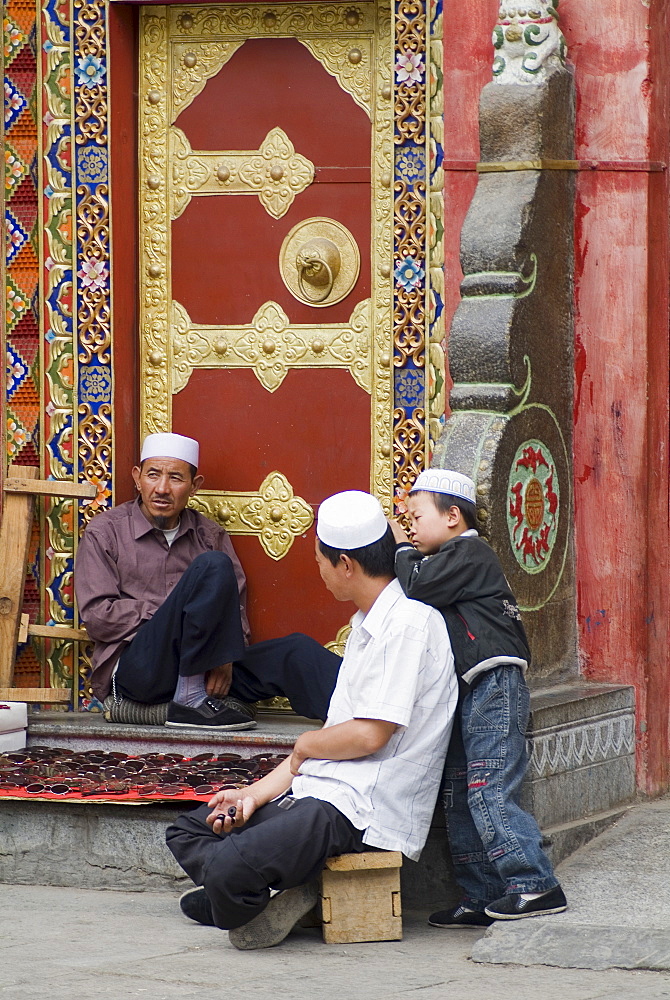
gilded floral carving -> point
(270, 345)
(273, 513)
(275, 173)
(348, 60)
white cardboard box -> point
(13, 725)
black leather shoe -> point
(212, 714)
(459, 916)
(194, 904)
(513, 907)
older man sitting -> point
(163, 595)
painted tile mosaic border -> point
(77, 353)
(418, 386)
(22, 383)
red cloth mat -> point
(103, 798)
(206, 769)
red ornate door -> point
(266, 138)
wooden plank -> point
(14, 543)
(35, 694)
(368, 859)
(50, 487)
(58, 632)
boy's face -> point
(430, 527)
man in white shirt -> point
(368, 779)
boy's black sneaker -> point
(195, 904)
(459, 916)
(214, 713)
(514, 907)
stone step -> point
(580, 779)
(122, 846)
(79, 731)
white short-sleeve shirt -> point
(398, 666)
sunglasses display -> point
(59, 771)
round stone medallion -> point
(533, 505)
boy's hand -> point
(399, 532)
(229, 810)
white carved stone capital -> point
(527, 41)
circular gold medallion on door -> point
(319, 262)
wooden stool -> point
(360, 897)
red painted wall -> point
(619, 51)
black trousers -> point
(198, 628)
(294, 666)
(278, 848)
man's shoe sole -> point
(277, 920)
(524, 916)
(458, 926)
(220, 728)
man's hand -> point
(218, 681)
(297, 757)
(399, 532)
(230, 810)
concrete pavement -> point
(78, 944)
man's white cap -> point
(171, 446)
(350, 520)
(445, 481)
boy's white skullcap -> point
(350, 520)
(445, 481)
(171, 446)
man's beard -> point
(161, 522)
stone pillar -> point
(510, 344)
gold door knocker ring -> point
(318, 264)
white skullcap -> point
(350, 520)
(171, 446)
(445, 481)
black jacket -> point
(465, 582)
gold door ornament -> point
(319, 262)
(270, 345)
(272, 513)
(274, 172)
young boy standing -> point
(496, 846)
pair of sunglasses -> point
(57, 788)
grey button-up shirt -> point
(124, 571)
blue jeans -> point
(496, 847)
